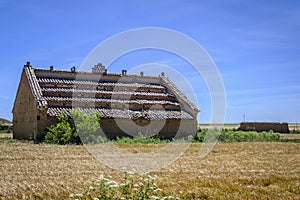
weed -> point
(131, 187)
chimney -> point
(51, 68)
(124, 72)
(27, 64)
(73, 69)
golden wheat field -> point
(230, 171)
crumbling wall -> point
(265, 126)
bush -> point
(62, 132)
(67, 129)
(237, 136)
(295, 131)
(140, 139)
(40, 137)
(86, 125)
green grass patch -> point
(7, 140)
(290, 140)
(6, 131)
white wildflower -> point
(91, 188)
(154, 197)
(113, 186)
(130, 173)
(111, 183)
(101, 177)
(147, 180)
(144, 174)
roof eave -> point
(41, 103)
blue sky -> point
(255, 45)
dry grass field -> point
(5, 135)
(294, 126)
(228, 126)
(290, 136)
(230, 171)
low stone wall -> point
(264, 126)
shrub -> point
(40, 137)
(208, 135)
(62, 132)
(295, 131)
(237, 136)
(200, 135)
(140, 139)
(67, 129)
(86, 125)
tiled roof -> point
(124, 114)
(178, 93)
(120, 101)
(56, 91)
(94, 83)
(35, 88)
(114, 92)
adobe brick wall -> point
(24, 112)
(169, 129)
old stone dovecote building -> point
(135, 101)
